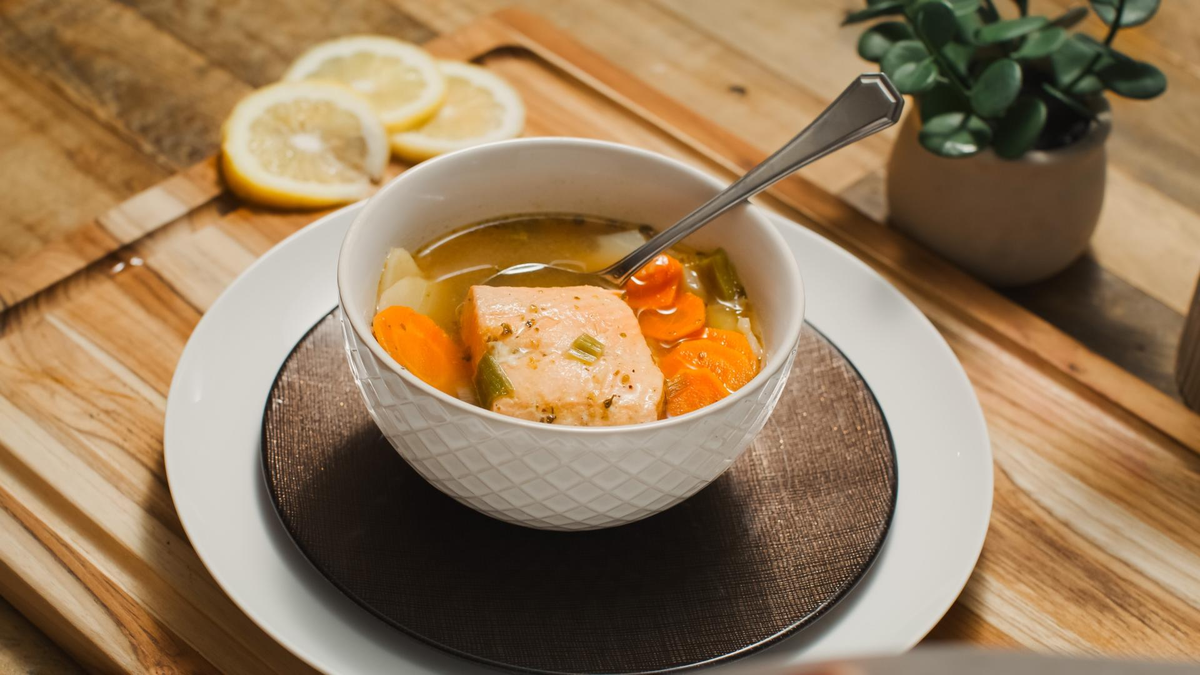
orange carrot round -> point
(732, 368)
(692, 389)
(663, 297)
(734, 339)
(678, 321)
(664, 270)
(421, 346)
(654, 286)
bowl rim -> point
(775, 361)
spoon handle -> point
(868, 105)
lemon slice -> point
(303, 144)
(480, 108)
(400, 79)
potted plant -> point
(1001, 168)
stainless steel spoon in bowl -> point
(868, 105)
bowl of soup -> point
(565, 408)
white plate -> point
(214, 417)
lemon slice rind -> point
(247, 176)
(419, 144)
(398, 118)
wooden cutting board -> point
(1095, 539)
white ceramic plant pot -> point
(1008, 222)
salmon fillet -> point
(529, 331)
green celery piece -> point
(724, 279)
(586, 348)
(490, 381)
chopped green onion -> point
(723, 277)
(490, 381)
(720, 316)
(586, 348)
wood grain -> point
(1095, 539)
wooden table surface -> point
(103, 98)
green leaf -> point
(910, 67)
(875, 42)
(1070, 17)
(996, 88)
(936, 21)
(1020, 127)
(884, 8)
(914, 78)
(1011, 29)
(959, 55)
(942, 98)
(902, 52)
(1041, 44)
(1073, 56)
(1087, 85)
(964, 7)
(1136, 12)
(955, 134)
(1133, 79)
(968, 25)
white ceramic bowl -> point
(548, 476)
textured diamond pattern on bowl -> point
(556, 481)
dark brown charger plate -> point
(761, 552)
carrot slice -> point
(663, 297)
(734, 339)
(732, 368)
(421, 346)
(663, 271)
(692, 389)
(680, 320)
(654, 286)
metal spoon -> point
(868, 105)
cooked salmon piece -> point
(529, 331)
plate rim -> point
(181, 493)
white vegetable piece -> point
(612, 247)
(407, 292)
(400, 264)
(743, 325)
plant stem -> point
(957, 79)
(1083, 73)
(1112, 33)
(1116, 24)
(992, 9)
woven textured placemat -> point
(761, 552)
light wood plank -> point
(1149, 240)
(60, 167)
(160, 95)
